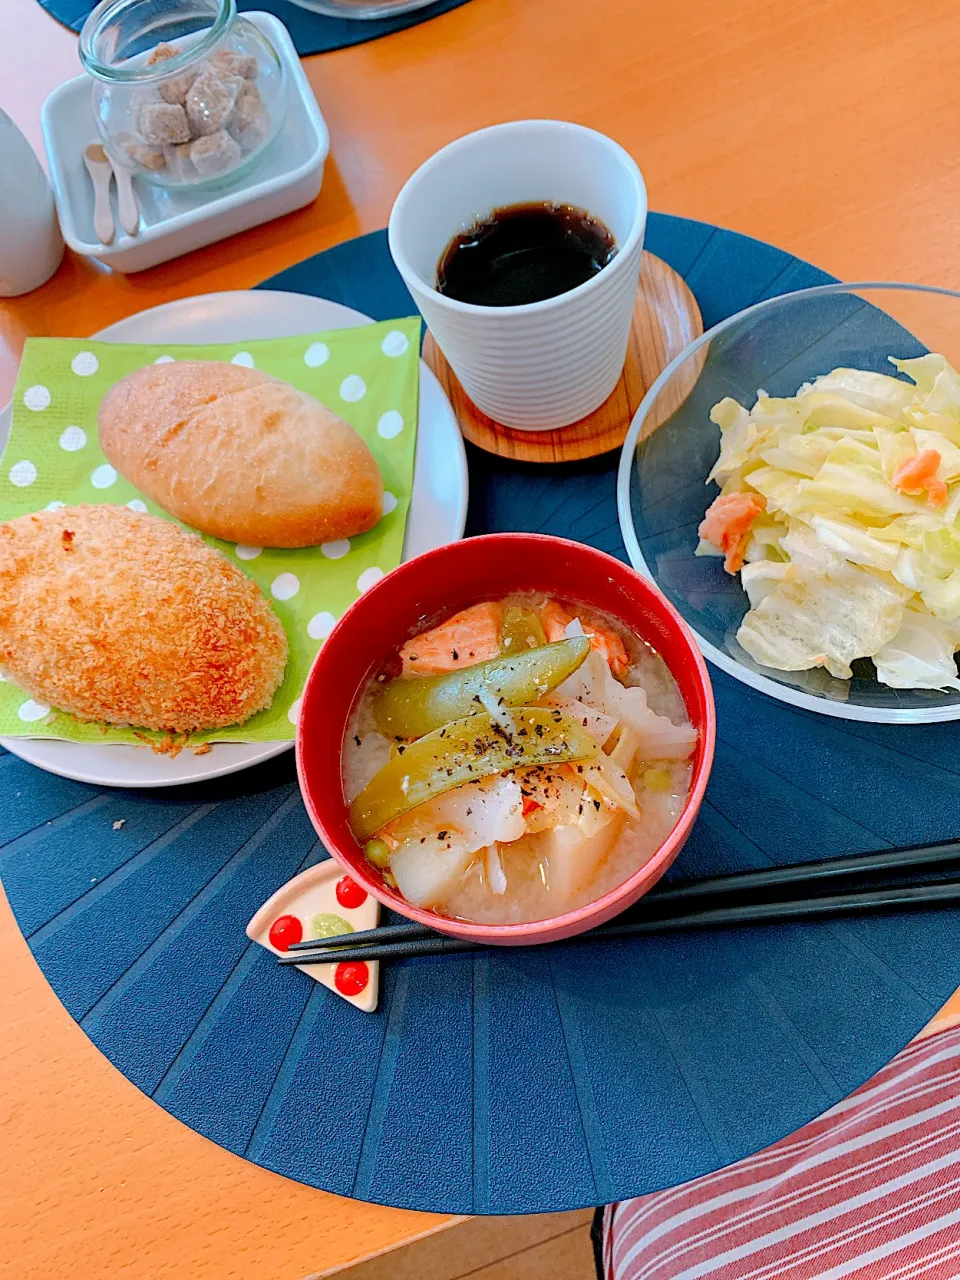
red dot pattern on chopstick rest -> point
(349, 893)
(284, 932)
(351, 978)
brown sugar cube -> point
(226, 62)
(215, 153)
(248, 91)
(163, 122)
(139, 152)
(139, 99)
(179, 165)
(250, 122)
(209, 104)
(236, 86)
(162, 53)
(254, 134)
(177, 87)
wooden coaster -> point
(665, 319)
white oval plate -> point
(438, 508)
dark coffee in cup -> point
(524, 253)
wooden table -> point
(827, 127)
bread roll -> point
(119, 616)
(240, 455)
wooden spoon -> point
(127, 206)
(101, 172)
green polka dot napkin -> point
(369, 375)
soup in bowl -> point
(507, 738)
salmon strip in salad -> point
(727, 522)
(919, 475)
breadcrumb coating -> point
(119, 616)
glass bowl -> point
(186, 93)
(776, 345)
(361, 8)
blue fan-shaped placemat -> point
(509, 1082)
(311, 32)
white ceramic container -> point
(30, 242)
(287, 176)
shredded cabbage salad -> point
(839, 509)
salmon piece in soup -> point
(556, 618)
(469, 637)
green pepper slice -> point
(467, 750)
(409, 708)
(520, 630)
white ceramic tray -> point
(287, 177)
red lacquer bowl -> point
(440, 583)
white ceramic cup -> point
(544, 364)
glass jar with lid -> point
(186, 92)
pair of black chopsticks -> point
(887, 880)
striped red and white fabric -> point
(869, 1191)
